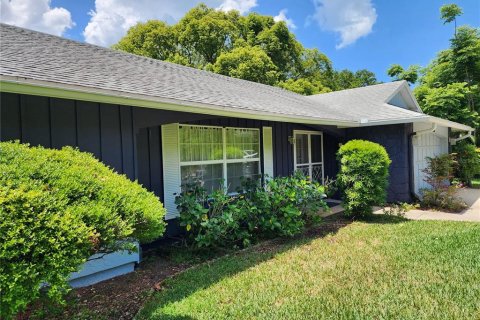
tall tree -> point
(449, 13)
(252, 47)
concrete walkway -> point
(472, 213)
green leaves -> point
(363, 176)
(248, 63)
(281, 208)
(449, 12)
(252, 47)
(57, 207)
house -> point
(164, 124)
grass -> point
(387, 268)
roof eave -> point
(451, 124)
(74, 92)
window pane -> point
(301, 146)
(209, 176)
(200, 143)
(242, 143)
(242, 169)
(316, 141)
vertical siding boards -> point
(395, 140)
(88, 127)
(143, 158)
(129, 138)
(35, 120)
(10, 126)
(128, 152)
(63, 123)
(111, 136)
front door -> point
(308, 154)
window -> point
(212, 155)
(308, 154)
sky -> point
(354, 34)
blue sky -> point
(355, 34)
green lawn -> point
(385, 269)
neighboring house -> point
(164, 124)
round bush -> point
(363, 176)
(58, 207)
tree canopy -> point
(449, 87)
(252, 47)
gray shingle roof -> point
(39, 56)
(370, 102)
(36, 56)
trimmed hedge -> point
(363, 176)
(58, 207)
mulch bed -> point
(122, 297)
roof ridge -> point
(396, 82)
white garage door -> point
(427, 145)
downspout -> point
(454, 141)
(410, 158)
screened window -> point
(213, 155)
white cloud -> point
(352, 19)
(282, 16)
(243, 6)
(111, 19)
(37, 15)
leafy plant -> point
(57, 207)
(441, 195)
(363, 176)
(283, 207)
(331, 187)
(468, 162)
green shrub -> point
(282, 208)
(468, 162)
(363, 176)
(57, 207)
(441, 194)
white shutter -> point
(171, 168)
(267, 152)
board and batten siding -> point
(129, 139)
(426, 144)
(395, 139)
(104, 130)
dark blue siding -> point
(395, 140)
(102, 129)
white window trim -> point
(310, 163)
(223, 161)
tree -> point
(204, 33)
(154, 39)
(248, 63)
(410, 75)
(365, 78)
(450, 102)
(304, 86)
(449, 13)
(346, 79)
(252, 47)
